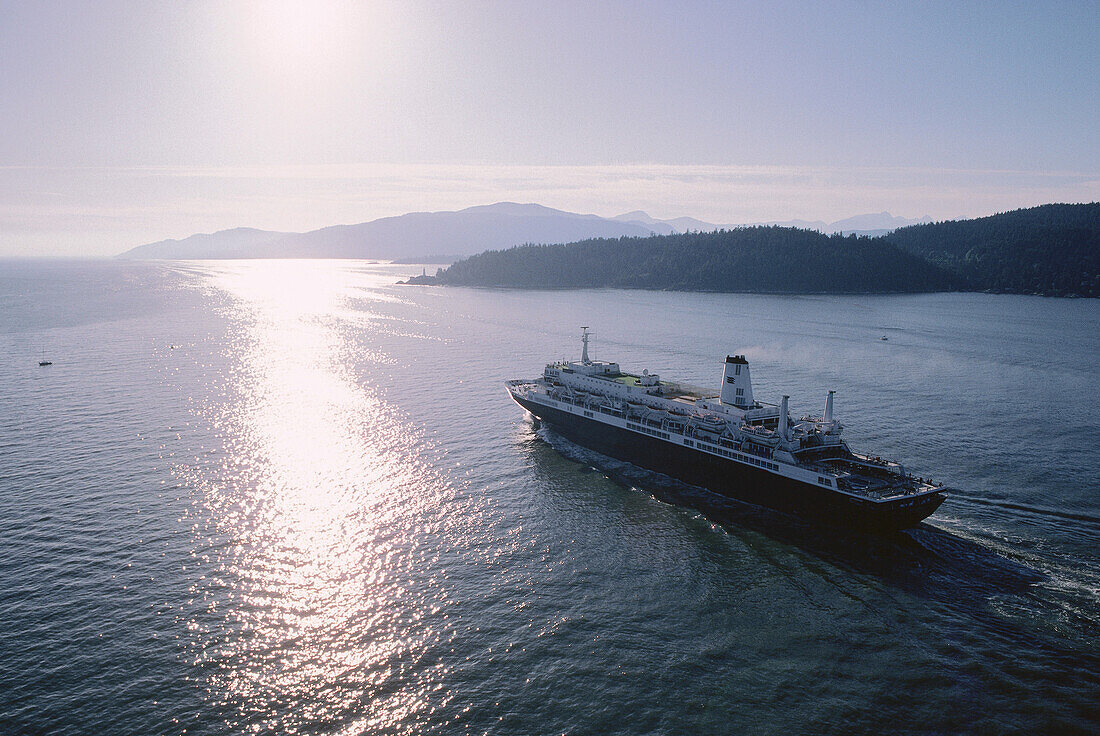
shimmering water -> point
(292, 497)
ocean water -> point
(294, 497)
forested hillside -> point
(755, 259)
(1053, 249)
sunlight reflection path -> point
(312, 517)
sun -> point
(292, 34)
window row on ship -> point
(676, 427)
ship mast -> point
(584, 350)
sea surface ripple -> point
(293, 497)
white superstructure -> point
(736, 383)
(730, 423)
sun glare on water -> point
(304, 517)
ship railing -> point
(878, 463)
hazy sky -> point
(125, 123)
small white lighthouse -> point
(736, 384)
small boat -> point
(44, 363)
(884, 337)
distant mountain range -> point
(462, 233)
(871, 225)
(404, 237)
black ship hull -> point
(737, 480)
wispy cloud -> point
(99, 211)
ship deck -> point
(669, 389)
(859, 479)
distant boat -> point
(884, 337)
(44, 362)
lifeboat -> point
(760, 436)
(710, 423)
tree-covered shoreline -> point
(1053, 249)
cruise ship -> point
(727, 442)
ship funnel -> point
(736, 384)
(783, 418)
(584, 349)
(828, 407)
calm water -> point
(292, 497)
